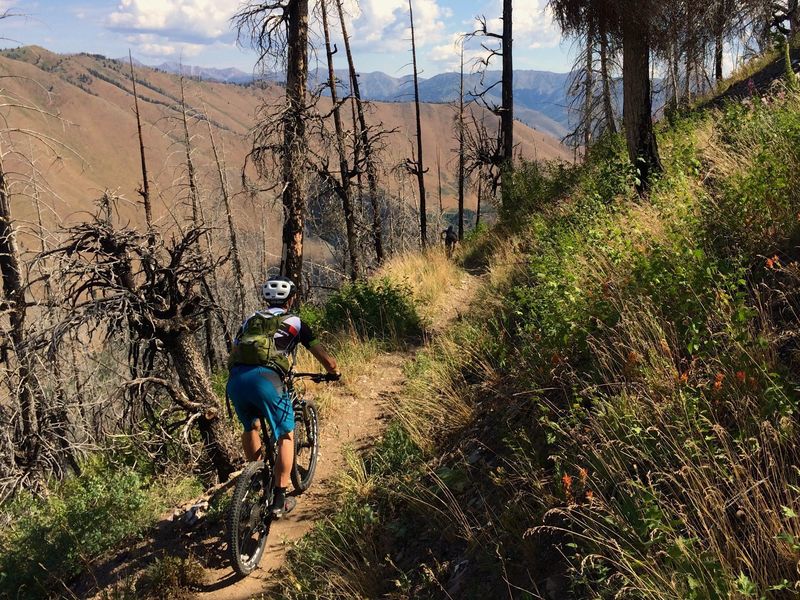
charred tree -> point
(278, 31)
(588, 90)
(294, 140)
(344, 169)
(144, 191)
(505, 145)
(507, 115)
(365, 145)
(635, 24)
(461, 158)
(16, 306)
(197, 221)
(638, 107)
(418, 168)
(238, 271)
(606, 78)
(123, 281)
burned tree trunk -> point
(507, 120)
(144, 191)
(238, 271)
(344, 170)
(478, 207)
(365, 145)
(15, 304)
(197, 218)
(605, 75)
(294, 131)
(190, 368)
(419, 168)
(507, 109)
(461, 158)
(719, 40)
(187, 144)
(588, 90)
(641, 139)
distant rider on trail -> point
(450, 240)
(259, 360)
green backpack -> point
(255, 343)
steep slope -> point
(91, 95)
(617, 415)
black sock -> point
(280, 497)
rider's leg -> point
(281, 504)
(285, 459)
(251, 442)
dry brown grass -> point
(429, 276)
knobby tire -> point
(248, 520)
(306, 446)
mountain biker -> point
(450, 240)
(259, 360)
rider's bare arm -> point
(323, 356)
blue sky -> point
(199, 32)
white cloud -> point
(448, 55)
(382, 26)
(155, 46)
(193, 21)
(534, 26)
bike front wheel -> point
(306, 445)
(248, 518)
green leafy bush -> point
(374, 309)
(51, 540)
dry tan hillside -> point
(91, 95)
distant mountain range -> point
(540, 96)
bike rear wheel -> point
(248, 518)
(306, 445)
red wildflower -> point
(718, 381)
(567, 481)
(741, 377)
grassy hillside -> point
(616, 416)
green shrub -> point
(534, 186)
(374, 309)
(52, 539)
(753, 209)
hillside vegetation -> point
(616, 415)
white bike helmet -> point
(278, 290)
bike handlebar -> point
(317, 377)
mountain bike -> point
(249, 517)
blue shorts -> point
(257, 391)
